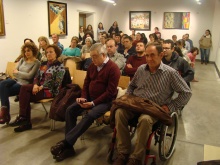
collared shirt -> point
(160, 86)
(100, 67)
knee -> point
(119, 114)
(145, 120)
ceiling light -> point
(110, 1)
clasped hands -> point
(36, 89)
(83, 103)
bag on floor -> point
(63, 100)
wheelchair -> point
(164, 135)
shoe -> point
(16, 98)
(205, 63)
(67, 152)
(19, 121)
(121, 159)
(58, 148)
(4, 115)
(23, 127)
(133, 161)
(201, 62)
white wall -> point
(25, 18)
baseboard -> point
(217, 69)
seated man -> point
(157, 82)
(128, 49)
(172, 59)
(116, 57)
(100, 88)
(135, 61)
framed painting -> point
(176, 20)
(57, 18)
(2, 22)
(140, 20)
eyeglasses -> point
(166, 48)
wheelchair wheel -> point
(168, 136)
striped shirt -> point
(160, 86)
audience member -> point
(172, 59)
(179, 52)
(46, 84)
(153, 38)
(55, 39)
(189, 40)
(192, 56)
(120, 47)
(135, 61)
(43, 43)
(128, 49)
(138, 38)
(181, 44)
(174, 38)
(103, 74)
(156, 31)
(81, 34)
(26, 40)
(86, 47)
(187, 44)
(72, 50)
(89, 29)
(24, 73)
(154, 81)
(88, 34)
(100, 29)
(205, 43)
(114, 28)
(144, 38)
(103, 40)
(112, 53)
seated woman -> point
(24, 74)
(43, 43)
(46, 84)
(86, 49)
(72, 50)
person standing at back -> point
(100, 29)
(114, 28)
(205, 43)
(55, 39)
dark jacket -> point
(181, 65)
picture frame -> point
(2, 21)
(176, 20)
(140, 20)
(57, 18)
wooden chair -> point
(10, 68)
(73, 64)
(79, 77)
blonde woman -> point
(43, 43)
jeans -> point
(8, 87)
(204, 55)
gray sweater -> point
(26, 71)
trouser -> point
(74, 131)
(8, 87)
(144, 128)
(204, 55)
(26, 97)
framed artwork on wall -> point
(2, 22)
(176, 20)
(140, 20)
(57, 18)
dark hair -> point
(194, 49)
(116, 24)
(169, 42)
(209, 32)
(118, 35)
(154, 36)
(99, 26)
(178, 50)
(29, 40)
(128, 37)
(30, 46)
(157, 45)
(56, 49)
(105, 34)
(88, 26)
(141, 42)
(156, 28)
(181, 42)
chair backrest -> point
(124, 82)
(87, 55)
(73, 65)
(79, 77)
(9, 69)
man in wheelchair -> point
(154, 81)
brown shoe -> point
(67, 152)
(4, 115)
(121, 159)
(133, 161)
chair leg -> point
(52, 124)
(44, 108)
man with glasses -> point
(172, 59)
